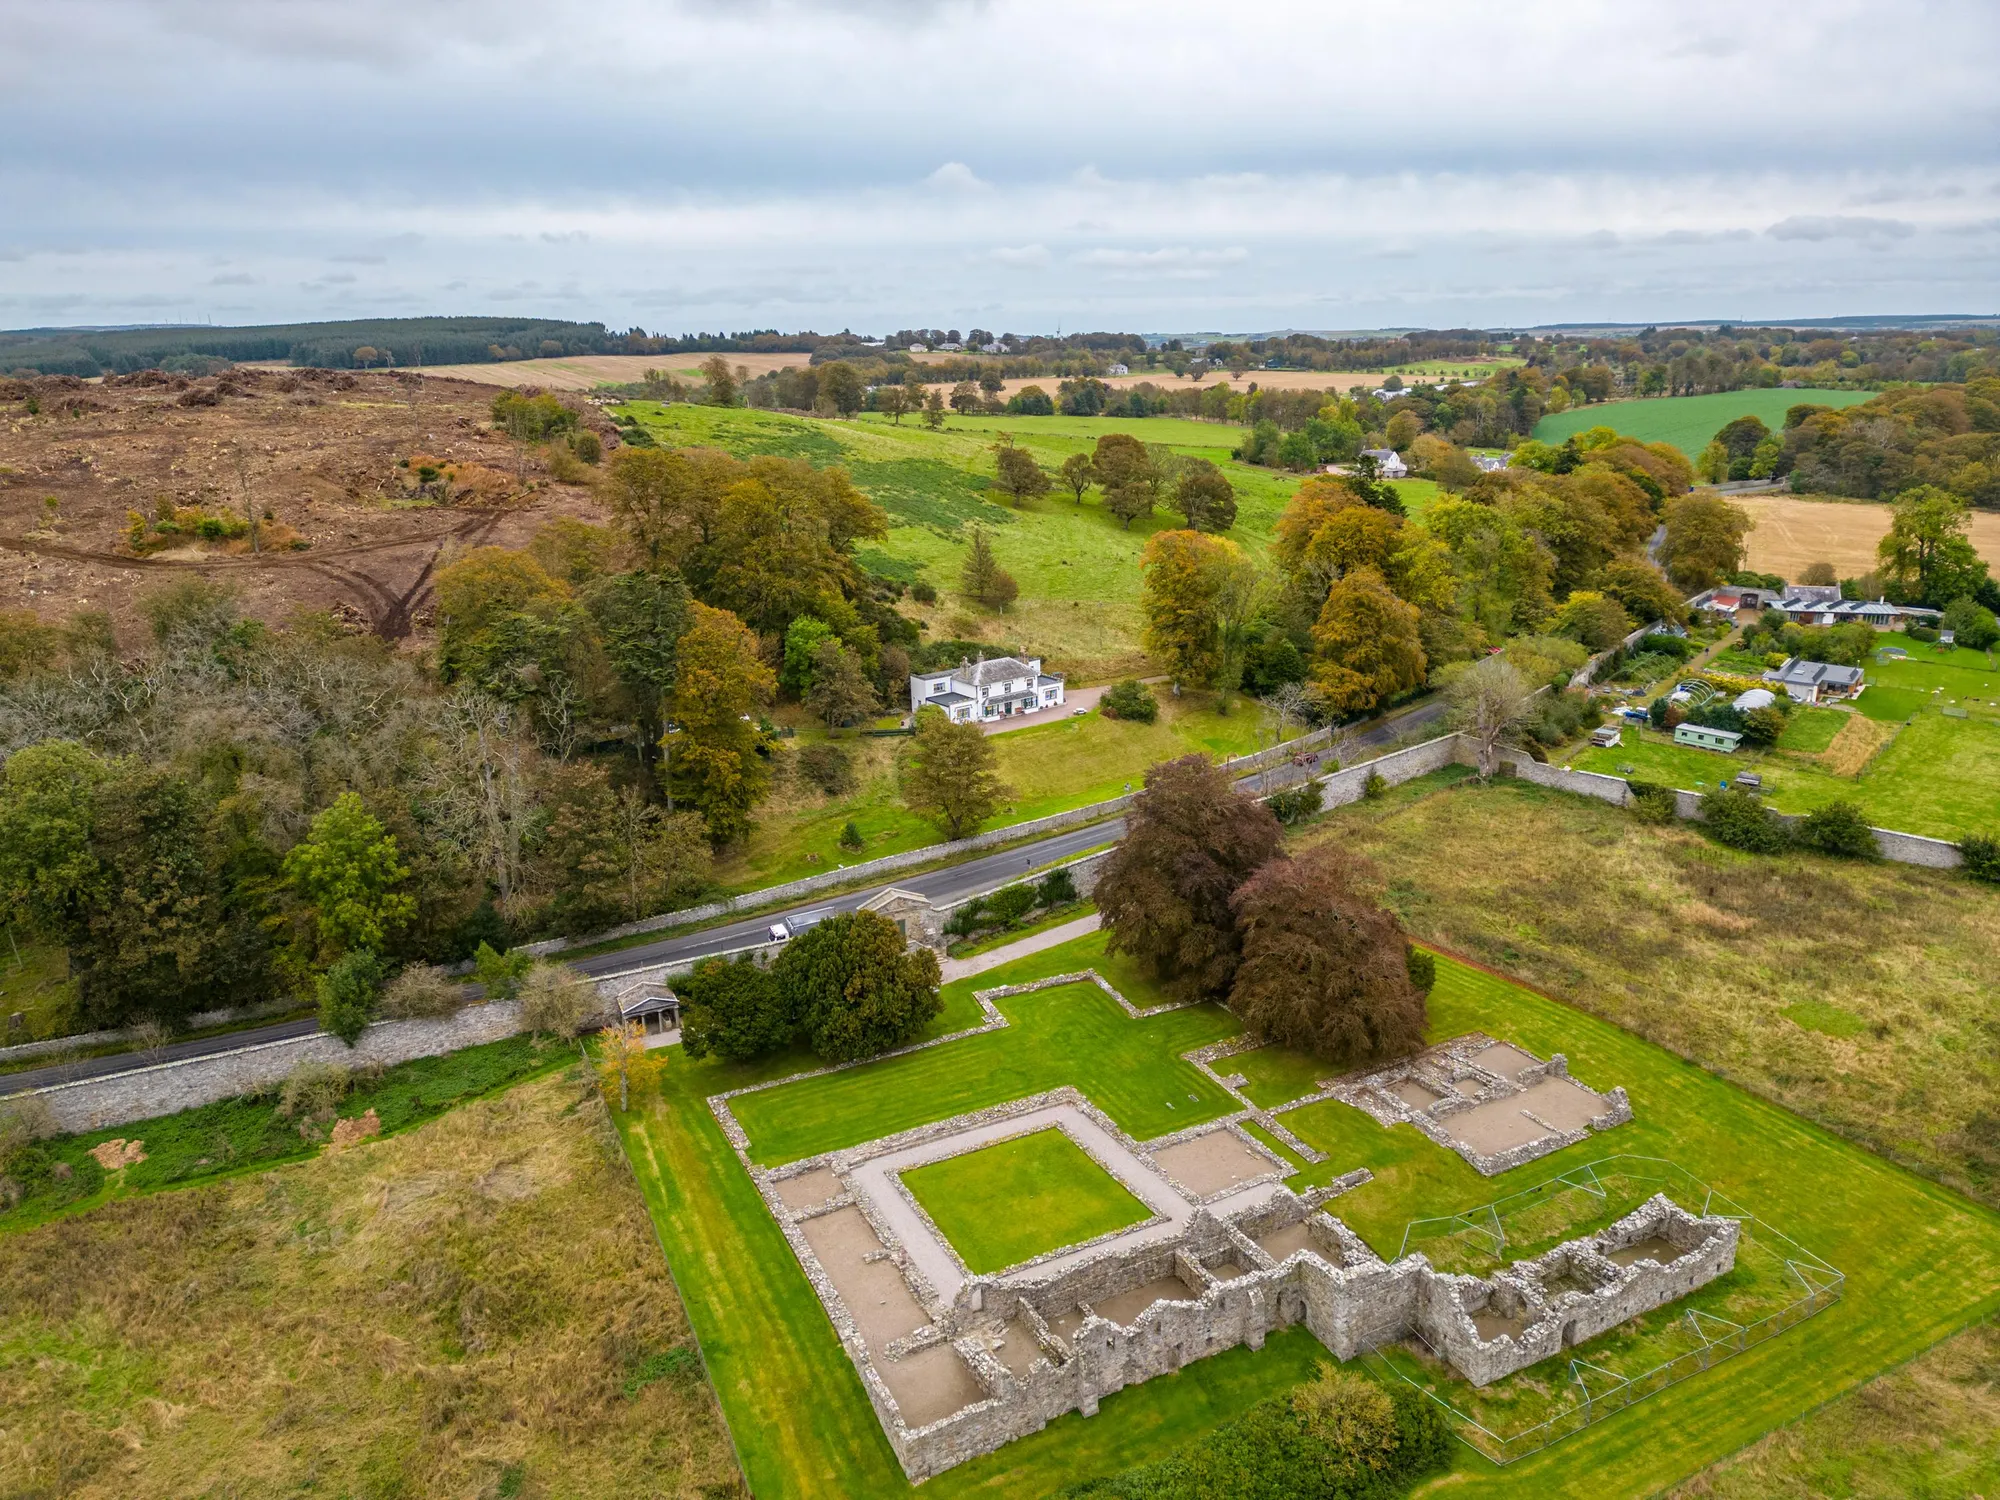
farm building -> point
(1815, 681)
(1704, 738)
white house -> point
(987, 689)
(1388, 462)
(1119, 370)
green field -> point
(1021, 1198)
(1688, 422)
(1939, 777)
(1053, 767)
(1076, 564)
(1920, 1262)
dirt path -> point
(960, 968)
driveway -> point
(1081, 698)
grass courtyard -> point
(1021, 1198)
(1921, 1262)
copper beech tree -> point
(1323, 969)
(1190, 841)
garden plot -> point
(1491, 1102)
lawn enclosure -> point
(1919, 1261)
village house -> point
(1821, 604)
(1815, 681)
(974, 691)
(1388, 462)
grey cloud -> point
(233, 278)
(359, 260)
(1817, 227)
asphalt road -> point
(949, 884)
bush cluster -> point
(1007, 906)
(1560, 717)
(1297, 803)
(1338, 1437)
(1740, 820)
(1130, 699)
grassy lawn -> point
(1021, 1198)
(1077, 564)
(1921, 1262)
(35, 982)
(1812, 729)
(1688, 422)
(1707, 952)
(1052, 767)
(475, 1307)
(1275, 1076)
(1939, 777)
(246, 1134)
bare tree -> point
(1490, 701)
(477, 786)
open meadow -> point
(1688, 422)
(1077, 564)
(476, 1307)
(1920, 1262)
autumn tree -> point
(1020, 476)
(1642, 589)
(714, 759)
(840, 690)
(625, 1061)
(1178, 602)
(1366, 647)
(1704, 542)
(1203, 494)
(840, 388)
(1164, 892)
(1323, 970)
(856, 986)
(950, 775)
(721, 382)
(1076, 474)
(934, 409)
(1128, 475)
(640, 618)
(611, 856)
(892, 401)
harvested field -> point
(315, 454)
(474, 1307)
(1793, 531)
(1212, 1162)
(583, 372)
(1858, 742)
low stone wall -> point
(1610, 789)
(201, 1020)
(1341, 787)
(170, 1087)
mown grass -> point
(1811, 730)
(245, 1134)
(1921, 1263)
(1702, 950)
(1929, 1429)
(1274, 1075)
(1938, 777)
(476, 1307)
(1051, 768)
(1689, 422)
(1021, 1198)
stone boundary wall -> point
(170, 1087)
(1339, 788)
(200, 1021)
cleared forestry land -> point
(317, 451)
(476, 1307)
(583, 372)
(1792, 532)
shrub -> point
(587, 446)
(1923, 634)
(1008, 906)
(1423, 969)
(850, 836)
(1374, 787)
(1838, 828)
(555, 999)
(828, 767)
(1982, 858)
(1653, 804)
(1742, 822)
(500, 973)
(968, 919)
(347, 994)
(1762, 726)
(1130, 699)
(1297, 803)
(422, 991)
(1057, 888)
(313, 1090)
(857, 987)
(923, 591)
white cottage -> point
(987, 689)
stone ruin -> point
(955, 1372)
(1494, 1104)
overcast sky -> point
(1012, 164)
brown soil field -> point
(585, 372)
(1792, 532)
(319, 451)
